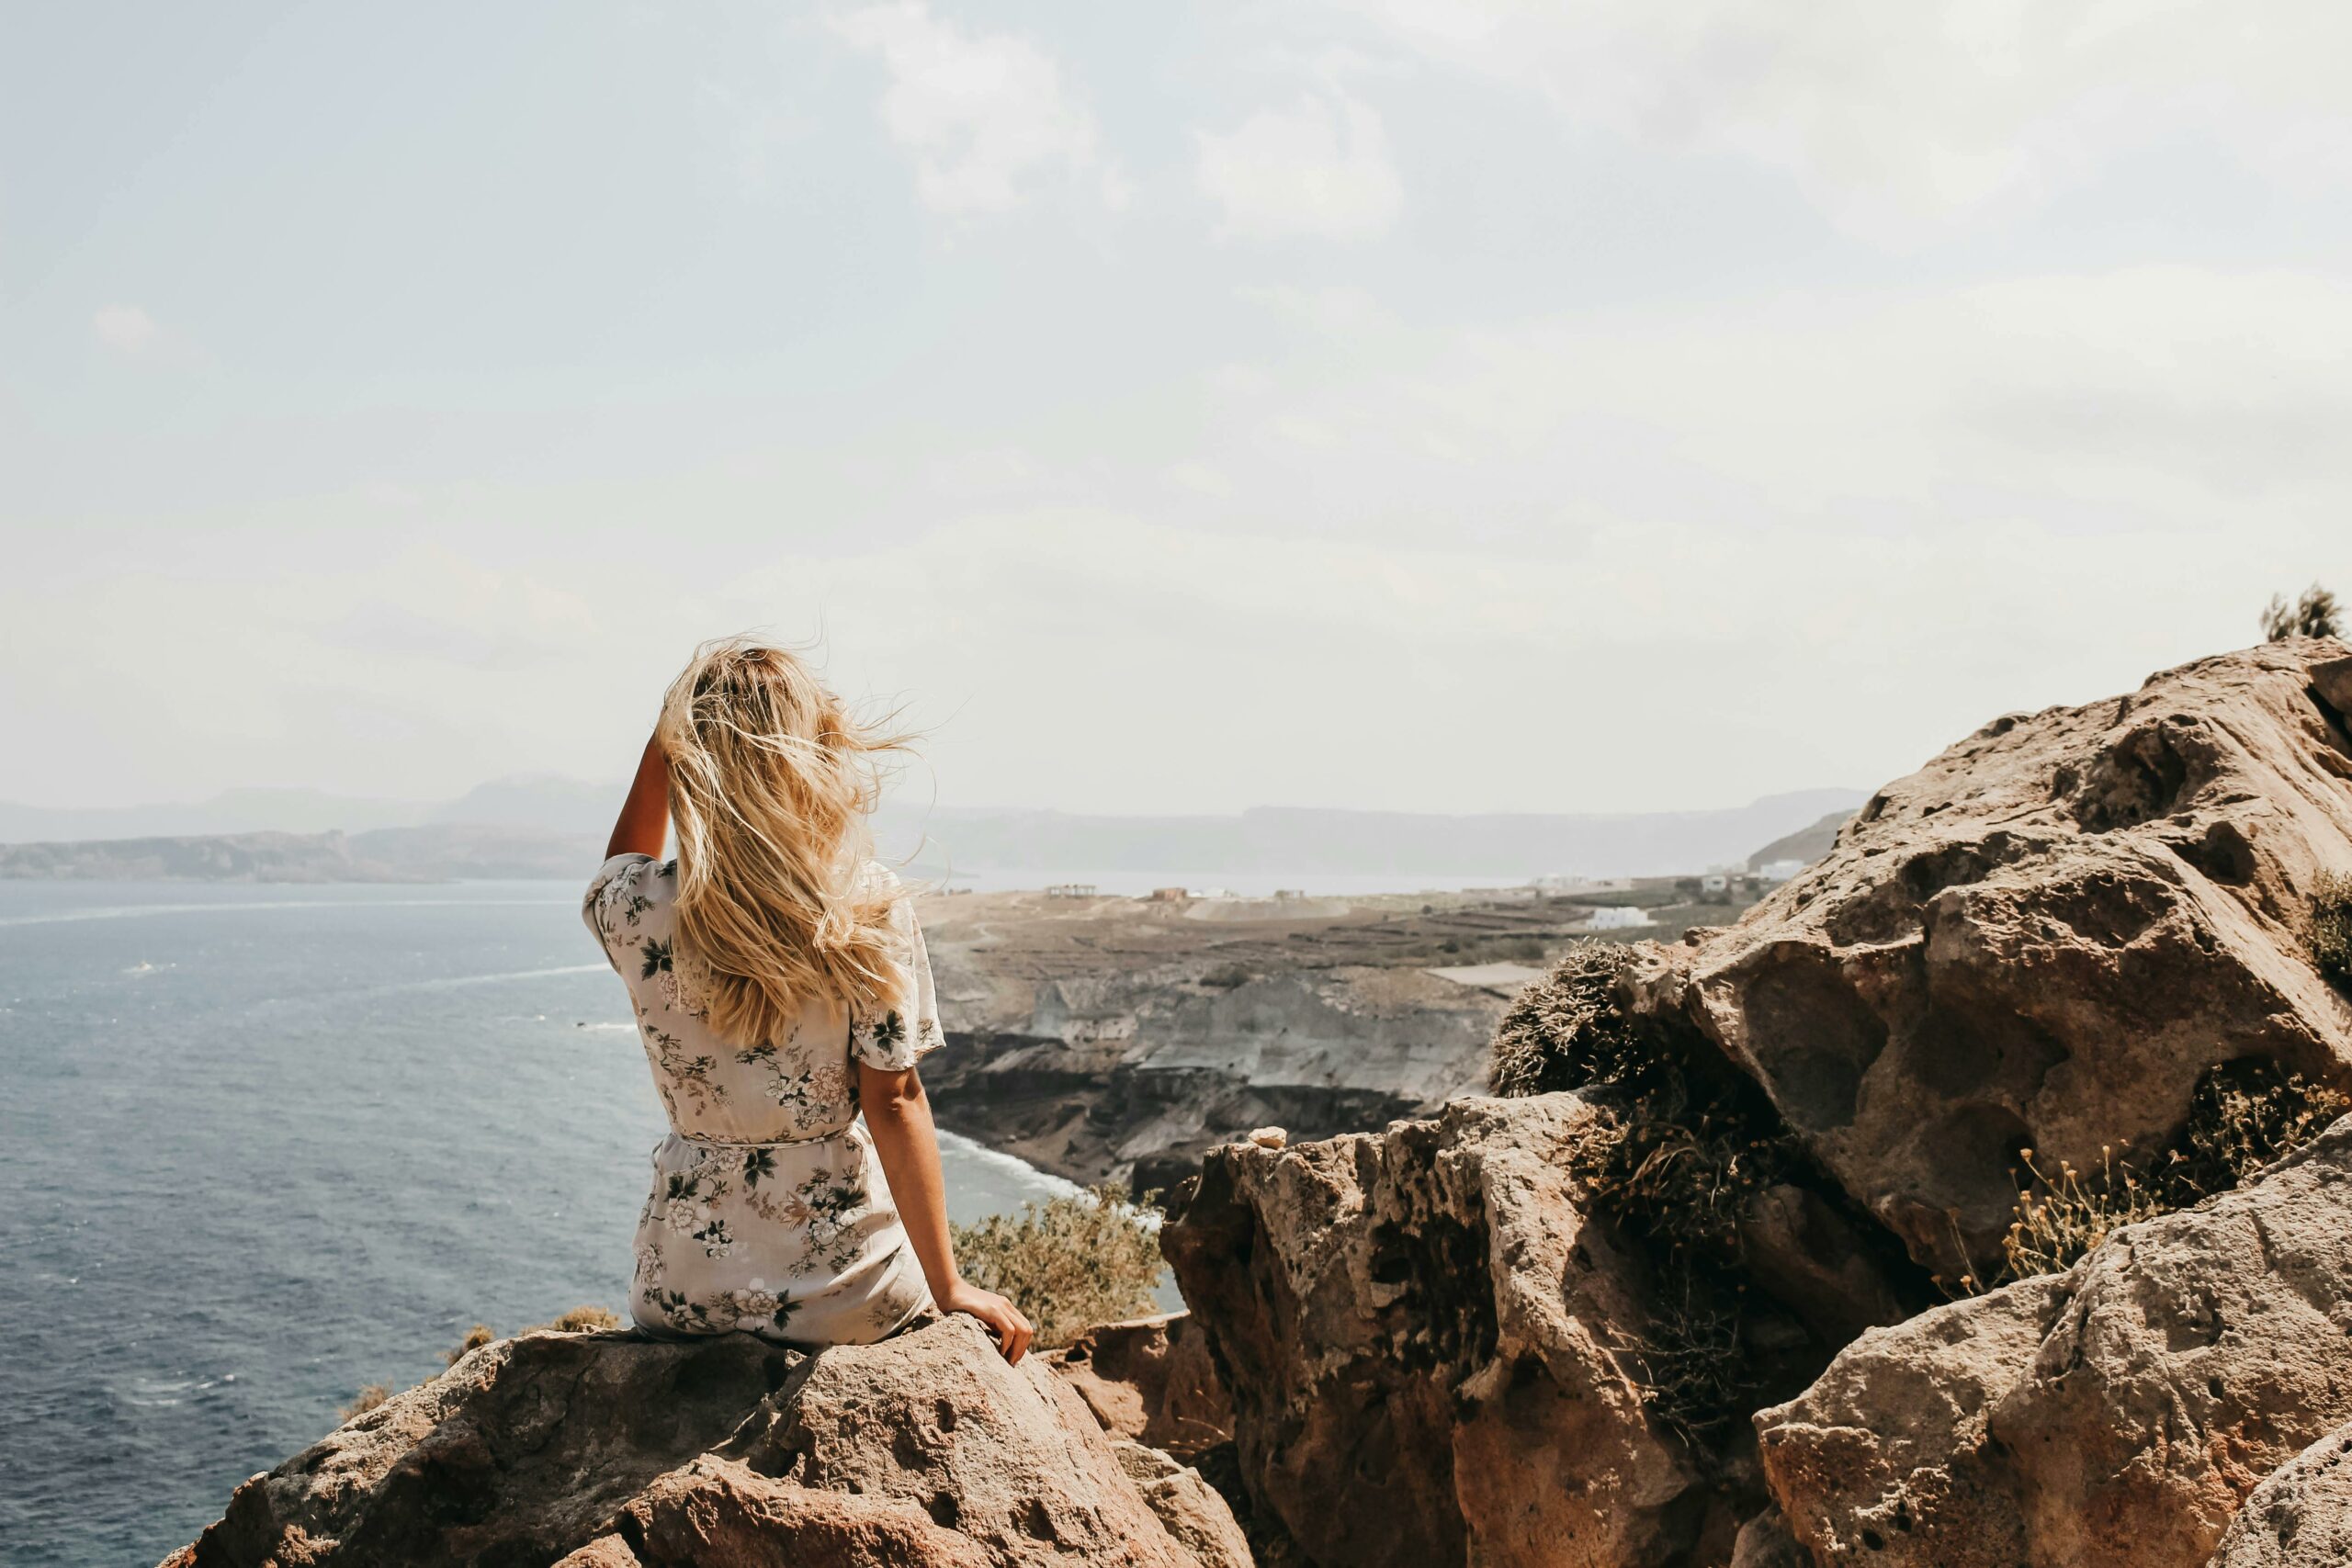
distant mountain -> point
(543, 801)
(544, 826)
(1310, 841)
(233, 811)
(218, 857)
(1808, 844)
(535, 801)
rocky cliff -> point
(608, 1451)
(2039, 1020)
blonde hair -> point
(771, 779)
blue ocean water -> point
(262, 1146)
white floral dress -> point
(769, 1212)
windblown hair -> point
(771, 779)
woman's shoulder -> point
(629, 891)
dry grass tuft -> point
(1068, 1263)
(579, 1320)
(2243, 1116)
(370, 1396)
(2063, 1214)
(2331, 929)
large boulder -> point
(2300, 1517)
(2043, 939)
(1421, 1331)
(2113, 1417)
(605, 1450)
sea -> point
(262, 1146)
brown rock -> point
(2114, 1417)
(717, 1514)
(1186, 1504)
(1149, 1378)
(2302, 1517)
(1888, 1456)
(2042, 937)
(1007, 1456)
(1764, 1541)
(1416, 1329)
(924, 1450)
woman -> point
(780, 985)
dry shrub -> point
(1568, 1029)
(1684, 1145)
(580, 1320)
(2242, 1116)
(370, 1396)
(476, 1337)
(1068, 1263)
(2314, 613)
(2331, 927)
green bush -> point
(2331, 929)
(1068, 1263)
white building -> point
(1617, 917)
(1779, 870)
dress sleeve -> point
(890, 1035)
(614, 899)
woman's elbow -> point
(890, 1097)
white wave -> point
(1054, 1186)
(446, 982)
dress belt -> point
(701, 1142)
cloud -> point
(126, 329)
(1901, 120)
(1320, 168)
(984, 114)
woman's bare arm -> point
(898, 1112)
(644, 820)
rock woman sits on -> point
(781, 986)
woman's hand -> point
(999, 1317)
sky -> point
(1442, 405)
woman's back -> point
(798, 1087)
(768, 1211)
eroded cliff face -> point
(1118, 1039)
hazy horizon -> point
(1453, 406)
(572, 804)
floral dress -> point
(769, 1212)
